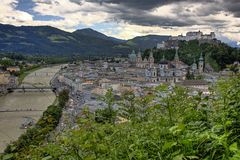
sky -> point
(126, 19)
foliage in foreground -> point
(169, 124)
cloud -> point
(132, 17)
(73, 14)
(9, 15)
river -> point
(24, 104)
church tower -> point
(139, 59)
(200, 64)
(176, 58)
(151, 60)
(194, 66)
(153, 74)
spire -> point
(194, 65)
(176, 57)
(151, 54)
(163, 57)
(201, 64)
(139, 53)
(139, 58)
(133, 51)
(201, 57)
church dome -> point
(132, 57)
(163, 61)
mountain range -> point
(47, 40)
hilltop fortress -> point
(194, 36)
(202, 38)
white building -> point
(194, 36)
(161, 45)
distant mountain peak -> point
(93, 33)
(89, 32)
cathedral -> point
(165, 71)
(145, 63)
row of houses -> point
(7, 81)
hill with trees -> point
(217, 55)
(143, 42)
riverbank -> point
(27, 72)
(17, 78)
(10, 122)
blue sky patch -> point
(28, 5)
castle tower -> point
(176, 58)
(139, 59)
(200, 64)
(151, 60)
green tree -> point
(234, 68)
(107, 114)
(189, 75)
(63, 97)
(128, 107)
(7, 62)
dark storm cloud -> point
(138, 11)
(144, 4)
(151, 20)
(233, 6)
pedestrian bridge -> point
(42, 74)
(22, 110)
(32, 89)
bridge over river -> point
(21, 110)
(32, 89)
(30, 102)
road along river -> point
(16, 106)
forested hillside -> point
(171, 123)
